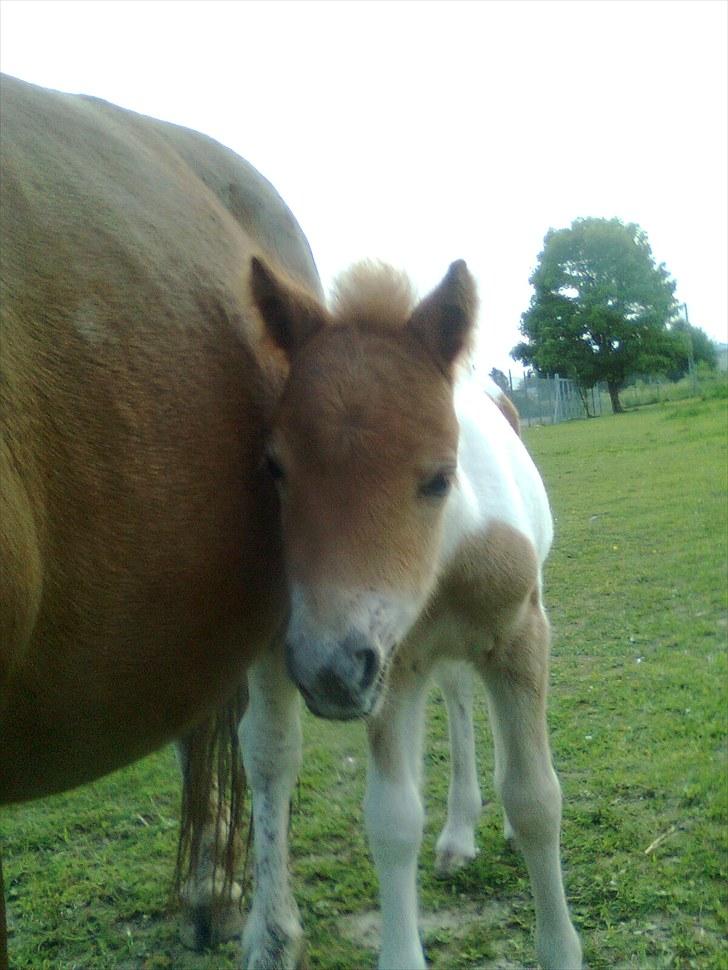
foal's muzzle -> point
(339, 681)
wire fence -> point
(550, 400)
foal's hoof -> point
(276, 952)
(451, 860)
(203, 929)
(454, 849)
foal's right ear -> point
(291, 315)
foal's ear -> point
(445, 320)
(291, 316)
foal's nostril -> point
(344, 685)
(368, 662)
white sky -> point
(422, 132)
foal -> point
(415, 527)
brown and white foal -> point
(415, 527)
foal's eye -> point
(437, 486)
(274, 469)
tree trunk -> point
(614, 397)
(584, 398)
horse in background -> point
(415, 528)
(140, 554)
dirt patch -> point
(364, 929)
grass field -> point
(637, 590)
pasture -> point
(636, 589)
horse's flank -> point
(139, 552)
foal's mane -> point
(373, 294)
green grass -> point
(636, 587)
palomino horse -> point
(415, 527)
(140, 558)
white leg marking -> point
(394, 820)
(270, 734)
(456, 844)
(531, 795)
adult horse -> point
(139, 548)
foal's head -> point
(364, 452)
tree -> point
(600, 309)
(693, 346)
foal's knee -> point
(533, 809)
(395, 819)
(270, 735)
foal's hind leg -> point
(456, 844)
(271, 738)
(515, 676)
(395, 816)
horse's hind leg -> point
(456, 844)
(210, 846)
(395, 816)
(271, 739)
(211, 902)
(515, 676)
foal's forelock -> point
(375, 294)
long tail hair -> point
(213, 775)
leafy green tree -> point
(600, 309)
(692, 345)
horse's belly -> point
(138, 637)
(102, 709)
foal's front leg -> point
(270, 734)
(395, 817)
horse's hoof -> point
(203, 929)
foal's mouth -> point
(334, 712)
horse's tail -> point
(213, 797)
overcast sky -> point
(422, 132)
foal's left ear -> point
(445, 320)
(291, 315)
